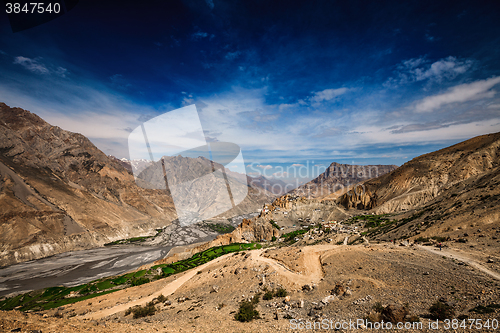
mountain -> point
(58, 192)
(425, 177)
(275, 186)
(337, 178)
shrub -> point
(441, 311)
(268, 295)
(394, 313)
(440, 239)
(390, 313)
(378, 307)
(421, 240)
(273, 239)
(246, 312)
(139, 281)
(142, 311)
(256, 298)
(281, 292)
(161, 298)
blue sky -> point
(304, 83)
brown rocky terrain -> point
(332, 282)
(425, 177)
(371, 264)
(275, 186)
(58, 192)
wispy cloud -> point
(233, 55)
(32, 65)
(459, 94)
(327, 94)
(420, 69)
(198, 35)
(37, 67)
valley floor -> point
(205, 299)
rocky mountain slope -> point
(58, 192)
(426, 177)
(339, 177)
(275, 186)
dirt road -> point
(460, 257)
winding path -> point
(313, 274)
(458, 256)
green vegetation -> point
(380, 224)
(291, 235)
(142, 311)
(58, 296)
(147, 310)
(221, 228)
(134, 239)
(269, 294)
(440, 239)
(139, 281)
(246, 312)
(281, 293)
(274, 224)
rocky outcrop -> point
(254, 230)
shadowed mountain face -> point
(201, 189)
(426, 177)
(275, 186)
(58, 192)
(340, 177)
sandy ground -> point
(379, 273)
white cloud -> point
(447, 68)
(35, 66)
(31, 64)
(459, 94)
(265, 167)
(420, 69)
(327, 94)
(297, 165)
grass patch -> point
(220, 228)
(54, 297)
(291, 235)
